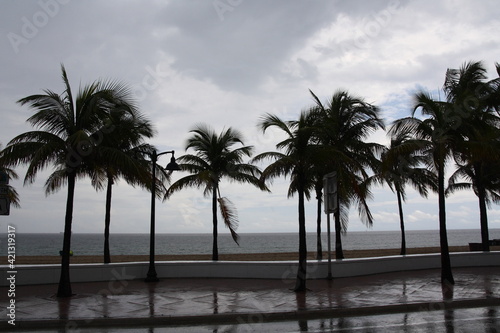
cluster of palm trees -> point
(331, 137)
(102, 135)
(99, 134)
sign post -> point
(330, 206)
(4, 194)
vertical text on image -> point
(11, 274)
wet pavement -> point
(208, 302)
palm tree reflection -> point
(301, 306)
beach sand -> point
(34, 260)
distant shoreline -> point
(280, 256)
(246, 233)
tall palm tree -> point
(476, 104)
(126, 144)
(297, 161)
(401, 164)
(438, 137)
(344, 123)
(12, 194)
(66, 139)
(483, 178)
(214, 160)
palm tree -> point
(344, 122)
(12, 194)
(483, 178)
(298, 159)
(401, 164)
(475, 100)
(126, 144)
(438, 137)
(214, 159)
(66, 139)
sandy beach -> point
(33, 260)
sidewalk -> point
(182, 301)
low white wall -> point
(46, 274)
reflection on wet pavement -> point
(254, 300)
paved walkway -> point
(182, 301)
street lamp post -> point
(152, 276)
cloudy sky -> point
(226, 63)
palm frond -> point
(230, 216)
(193, 180)
(457, 187)
(55, 181)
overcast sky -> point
(226, 63)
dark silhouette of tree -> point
(297, 159)
(66, 139)
(125, 144)
(475, 102)
(401, 165)
(12, 194)
(343, 124)
(215, 159)
(438, 137)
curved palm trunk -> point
(402, 223)
(483, 213)
(107, 221)
(64, 289)
(446, 273)
(339, 253)
(319, 250)
(215, 248)
(302, 270)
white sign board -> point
(330, 192)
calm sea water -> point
(92, 244)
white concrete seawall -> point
(46, 274)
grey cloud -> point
(252, 41)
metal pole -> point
(329, 277)
(152, 276)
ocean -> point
(126, 244)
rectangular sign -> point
(330, 192)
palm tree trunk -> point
(446, 273)
(319, 251)
(107, 221)
(339, 253)
(402, 223)
(215, 248)
(64, 289)
(483, 213)
(302, 270)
